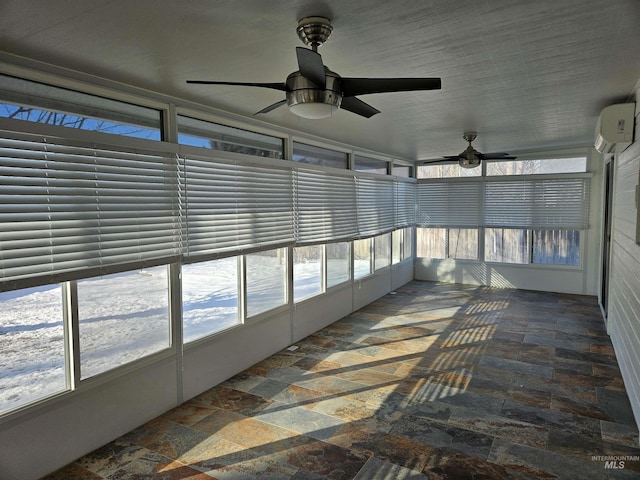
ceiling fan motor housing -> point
(470, 158)
(302, 91)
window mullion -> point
(447, 237)
(176, 323)
(71, 334)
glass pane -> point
(319, 156)
(39, 103)
(362, 258)
(506, 245)
(401, 170)
(408, 243)
(199, 133)
(432, 242)
(31, 345)
(123, 317)
(382, 244)
(557, 247)
(463, 243)
(307, 271)
(532, 167)
(397, 246)
(266, 280)
(209, 297)
(338, 263)
(449, 170)
(371, 165)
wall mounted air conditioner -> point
(615, 127)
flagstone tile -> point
(444, 464)
(188, 413)
(247, 432)
(232, 400)
(562, 420)
(330, 461)
(168, 438)
(73, 471)
(442, 435)
(377, 469)
(477, 420)
(623, 434)
(541, 463)
(301, 420)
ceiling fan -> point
(470, 158)
(314, 91)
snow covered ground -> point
(125, 316)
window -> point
(557, 247)
(400, 170)
(531, 211)
(266, 284)
(506, 245)
(462, 243)
(536, 167)
(209, 297)
(401, 242)
(32, 362)
(338, 263)
(382, 250)
(397, 238)
(432, 242)
(325, 205)
(319, 156)
(407, 242)
(458, 243)
(362, 258)
(122, 317)
(199, 133)
(375, 201)
(448, 170)
(232, 206)
(307, 272)
(39, 103)
(91, 211)
(371, 165)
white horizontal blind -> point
(325, 206)
(375, 205)
(68, 211)
(234, 206)
(543, 203)
(450, 203)
(405, 203)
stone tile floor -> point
(433, 381)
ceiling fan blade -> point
(311, 66)
(275, 86)
(497, 156)
(271, 107)
(363, 86)
(438, 160)
(357, 106)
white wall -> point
(623, 320)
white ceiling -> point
(525, 74)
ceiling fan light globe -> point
(313, 111)
(468, 161)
